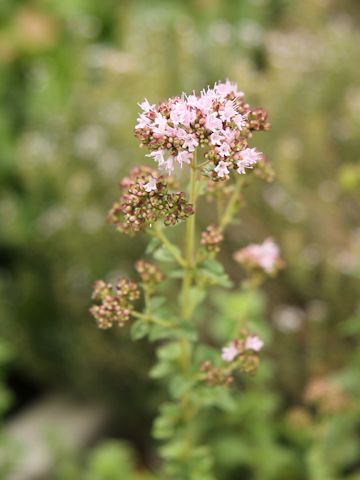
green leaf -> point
(180, 385)
(174, 450)
(217, 397)
(158, 332)
(165, 423)
(196, 295)
(170, 351)
(204, 352)
(185, 329)
(162, 254)
(152, 245)
(156, 302)
(214, 274)
(161, 369)
(139, 329)
(213, 266)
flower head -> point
(217, 119)
(222, 169)
(151, 185)
(114, 305)
(254, 343)
(229, 353)
(248, 158)
(265, 256)
(146, 199)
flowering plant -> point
(207, 134)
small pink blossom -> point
(192, 100)
(216, 138)
(146, 106)
(161, 125)
(143, 121)
(168, 165)
(265, 255)
(178, 112)
(224, 150)
(228, 354)
(158, 156)
(184, 157)
(248, 158)
(213, 123)
(181, 133)
(204, 103)
(151, 185)
(228, 112)
(240, 121)
(254, 343)
(221, 169)
(190, 143)
(229, 134)
(226, 88)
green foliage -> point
(111, 460)
(68, 97)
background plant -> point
(67, 98)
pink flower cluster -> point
(265, 256)
(237, 347)
(218, 119)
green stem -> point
(170, 247)
(152, 319)
(189, 244)
(230, 209)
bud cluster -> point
(146, 199)
(218, 119)
(243, 353)
(263, 257)
(211, 239)
(114, 305)
(326, 396)
(149, 273)
(216, 376)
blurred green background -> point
(71, 74)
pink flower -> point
(253, 342)
(221, 169)
(184, 157)
(215, 120)
(158, 156)
(226, 88)
(168, 165)
(145, 105)
(161, 124)
(224, 150)
(230, 353)
(143, 121)
(216, 138)
(213, 123)
(248, 158)
(178, 112)
(170, 131)
(151, 185)
(265, 255)
(181, 134)
(229, 134)
(228, 112)
(192, 100)
(190, 143)
(240, 121)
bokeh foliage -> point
(71, 74)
